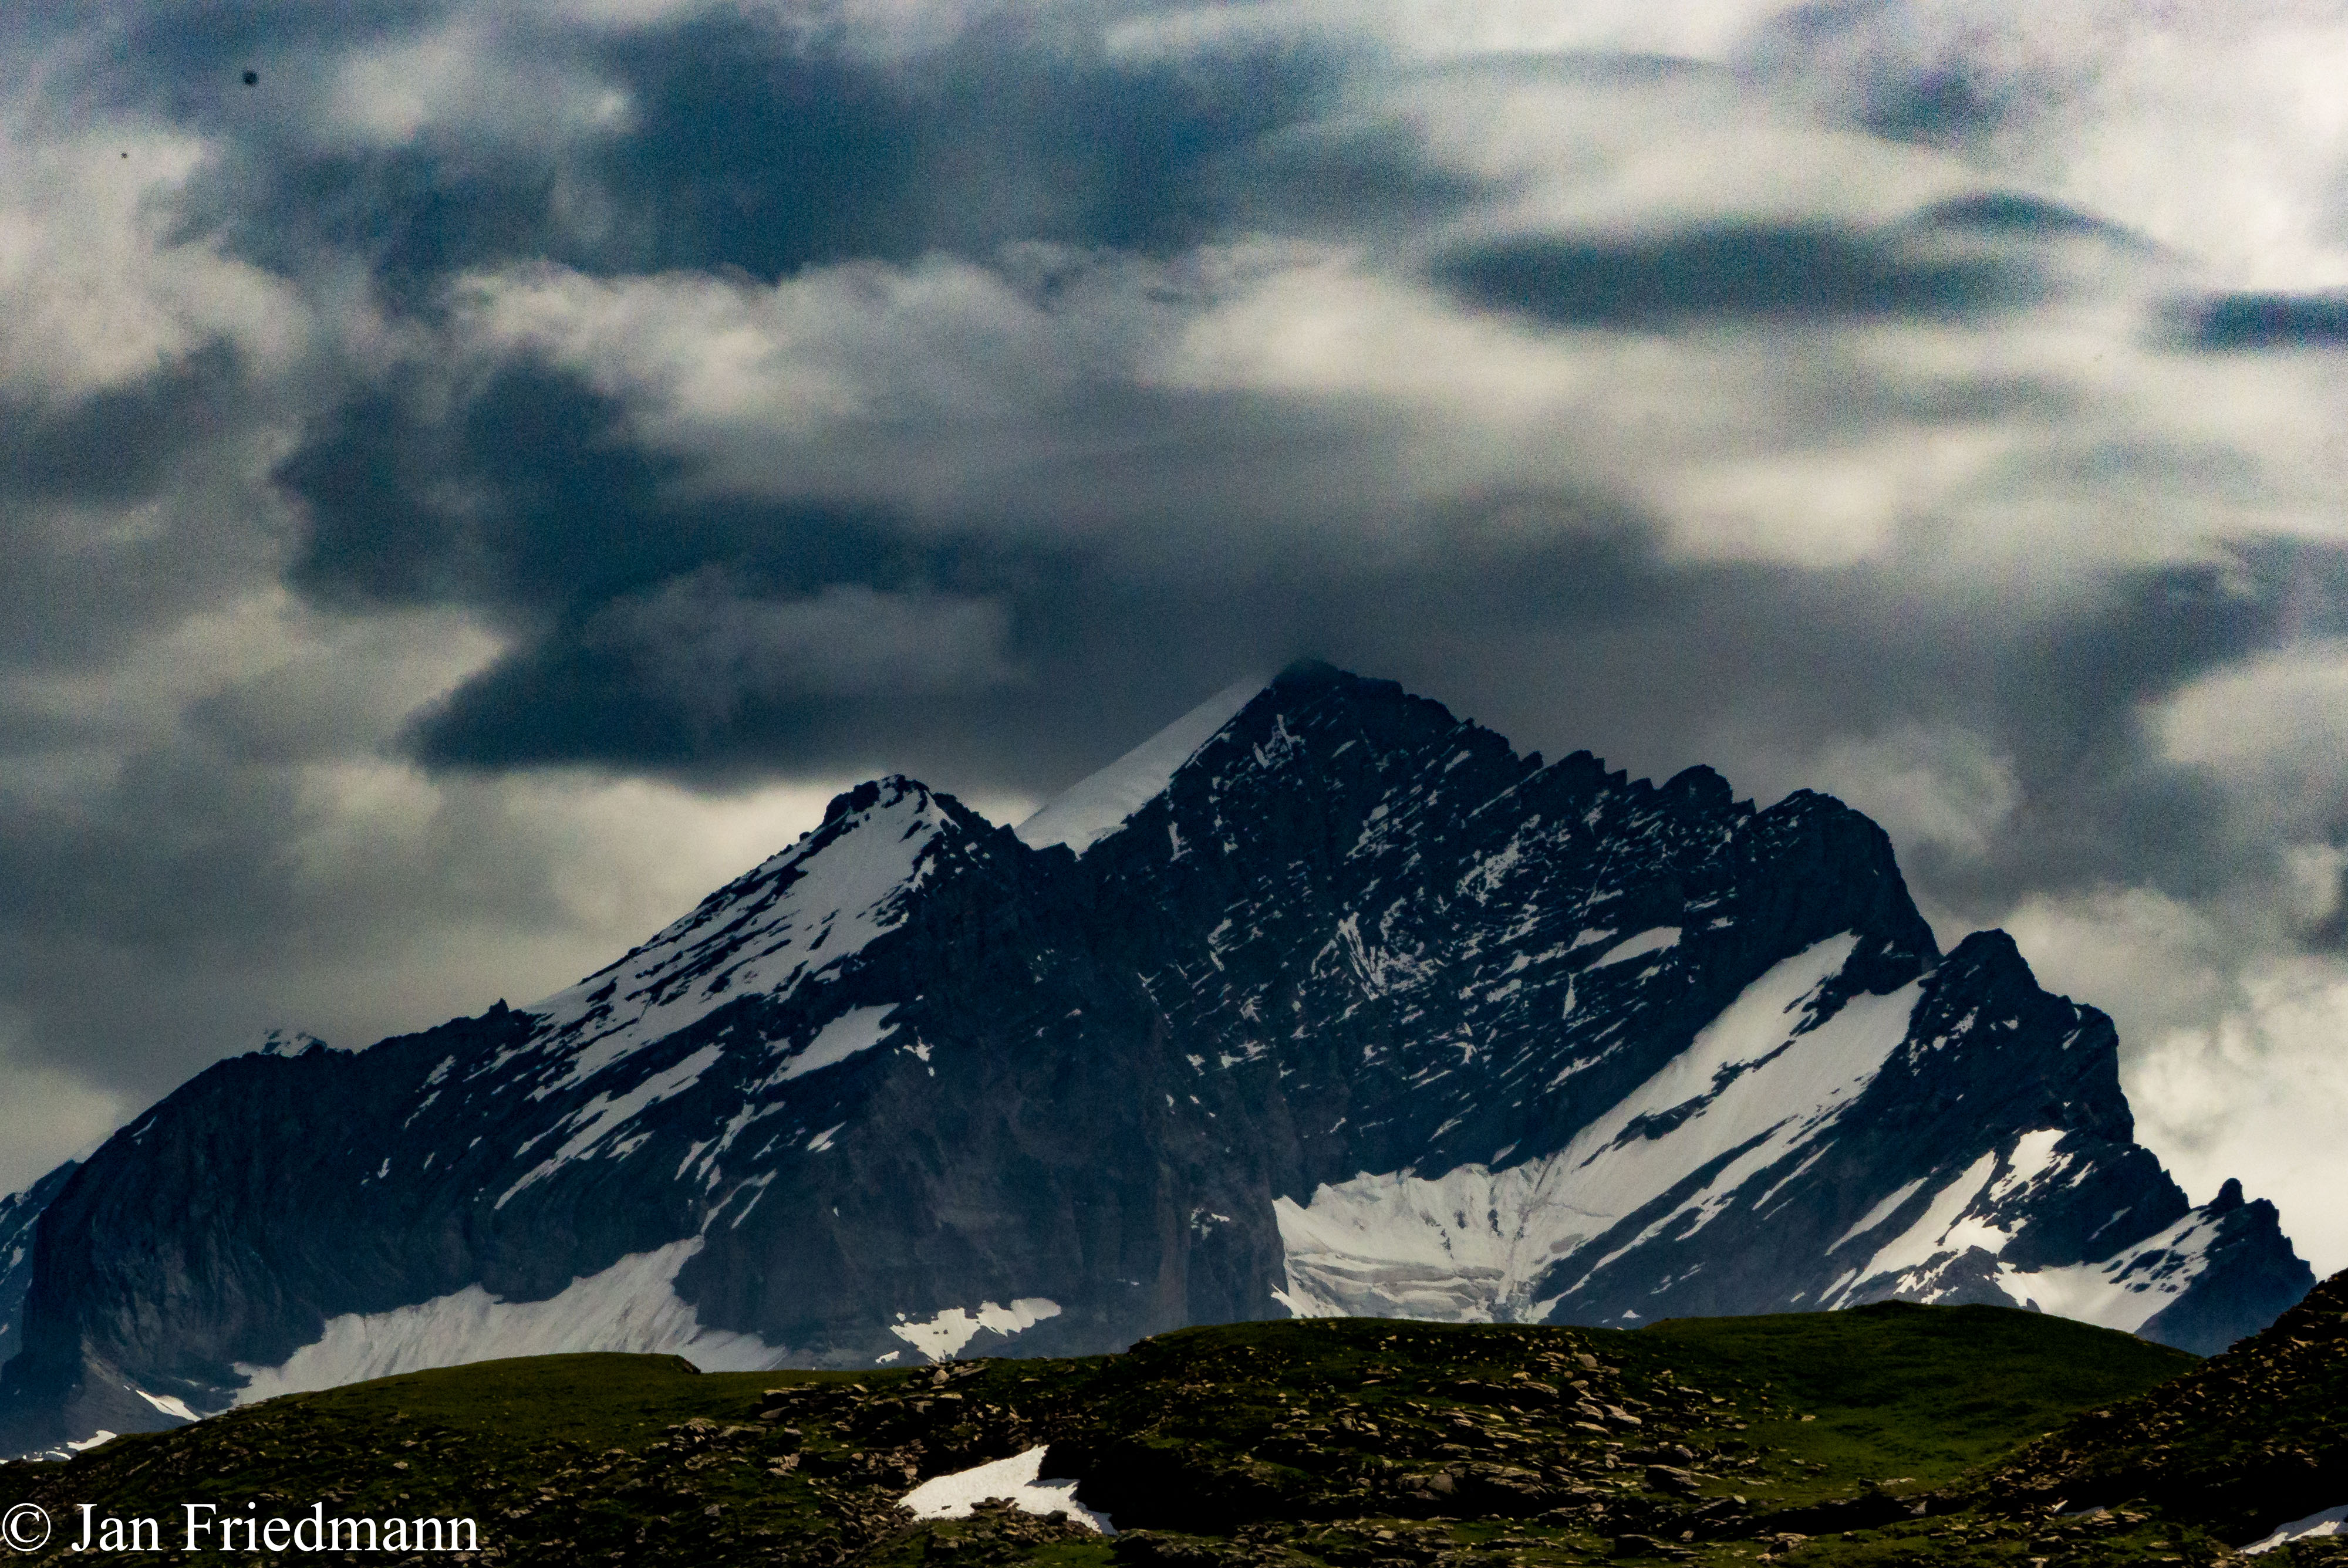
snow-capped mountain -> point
(1320, 1001)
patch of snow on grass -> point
(1015, 1479)
(943, 1336)
(632, 1306)
(2330, 1522)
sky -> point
(475, 475)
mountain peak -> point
(800, 913)
(1098, 804)
(291, 1042)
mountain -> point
(1324, 1001)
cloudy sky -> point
(473, 487)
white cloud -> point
(2256, 1095)
(2229, 1050)
(2150, 960)
(2216, 130)
(95, 289)
(470, 76)
(48, 1116)
(2274, 728)
(1946, 788)
(939, 341)
(1820, 508)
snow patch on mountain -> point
(796, 916)
(632, 1306)
(1947, 1224)
(291, 1042)
(605, 1114)
(1392, 1245)
(942, 1337)
(1964, 1214)
(1755, 1089)
(1659, 940)
(1885, 1207)
(2124, 1290)
(857, 1029)
(1097, 806)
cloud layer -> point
(491, 478)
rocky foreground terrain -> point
(1894, 1433)
(2242, 1440)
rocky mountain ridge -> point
(1323, 1002)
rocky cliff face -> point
(1324, 1001)
(18, 1214)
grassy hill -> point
(1887, 1435)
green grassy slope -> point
(1348, 1444)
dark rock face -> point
(1356, 1012)
(18, 1214)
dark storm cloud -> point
(75, 590)
(752, 153)
(752, 146)
(532, 502)
(120, 443)
(1096, 655)
(1011, 655)
(1943, 105)
(1558, 620)
(2101, 804)
(1812, 273)
(2012, 212)
(1893, 78)
(531, 498)
(188, 57)
(2236, 322)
